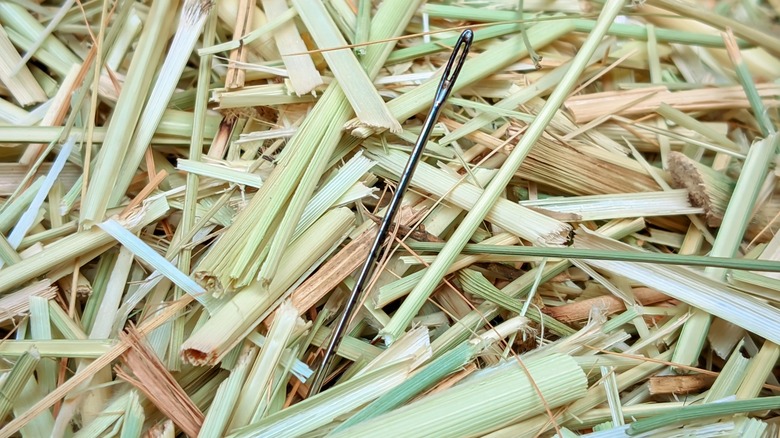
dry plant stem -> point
(228, 14)
(256, 387)
(474, 218)
(54, 53)
(679, 384)
(760, 368)
(187, 225)
(159, 386)
(321, 157)
(323, 408)
(452, 411)
(18, 303)
(329, 139)
(573, 252)
(699, 290)
(235, 75)
(536, 89)
(144, 193)
(641, 101)
(565, 167)
(101, 329)
(656, 77)
(154, 259)
(681, 119)
(55, 114)
(26, 221)
(220, 141)
(581, 310)
(748, 85)
(97, 55)
(225, 399)
(521, 221)
(8, 254)
(537, 425)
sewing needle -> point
(451, 72)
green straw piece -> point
(689, 414)
(21, 372)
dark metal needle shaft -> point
(451, 71)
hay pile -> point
(588, 247)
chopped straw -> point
(588, 247)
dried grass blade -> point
(361, 93)
(21, 84)
(326, 406)
(152, 257)
(303, 73)
(688, 414)
(603, 207)
(192, 22)
(260, 42)
(752, 34)
(23, 29)
(433, 373)
(14, 383)
(236, 76)
(27, 219)
(73, 246)
(732, 229)
(251, 402)
(219, 172)
(13, 208)
(40, 329)
(59, 348)
(133, 421)
(55, 114)
(102, 180)
(53, 23)
(691, 287)
(759, 371)
(112, 296)
(591, 106)
(594, 397)
(18, 303)
(8, 254)
(227, 395)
